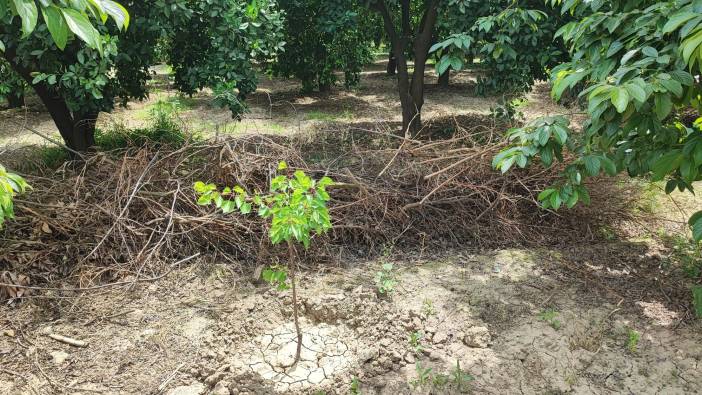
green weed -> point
(415, 342)
(355, 386)
(550, 317)
(385, 280)
(632, 341)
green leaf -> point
(28, 13)
(677, 20)
(545, 194)
(650, 51)
(666, 164)
(118, 13)
(592, 165)
(608, 165)
(81, 26)
(620, 99)
(663, 105)
(637, 92)
(673, 86)
(282, 165)
(56, 25)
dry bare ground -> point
(556, 317)
(204, 329)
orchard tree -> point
(513, 40)
(506, 33)
(410, 27)
(639, 62)
(320, 40)
(79, 62)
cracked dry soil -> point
(206, 330)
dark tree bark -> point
(77, 130)
(15, 101)
(410, 87)
(444, 79)
(392, 64)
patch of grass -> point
(685, 254)
(316, 115)
(52, 156)
(632, 341)
(428, 308)
(456, 380)
(355, 386)
(276, 128)
(163, 129)
(550, 316)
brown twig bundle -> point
(119, 214)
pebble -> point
(221, 389)
(477, 337)
(59, 357)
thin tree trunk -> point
(15, 101)
(78, 133)
(392, 64)
(444, 79)
(411, 92)
(292, 265)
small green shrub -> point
(415, 342)
(355, 386)
(296, 206)
(385, 280)
(632, 341)
(550, 316)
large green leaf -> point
(56, 25)
(117, 12)
(28, 13)
(620, 99)
(81, 26)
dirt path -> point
(504, 317)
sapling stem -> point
(292, 264)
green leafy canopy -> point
(632, 64)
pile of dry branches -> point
(120, 214)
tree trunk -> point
(78, 133)
(411, 92)
(444, 78)
(392, 64)
(15, 101)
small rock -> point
(440, 337)
(395, 355)
(477, 337)
(221, 389)
(435, 355)
(59, 357)
(192, 389)
(214, 378)
(409, 358)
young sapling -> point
(296, 206)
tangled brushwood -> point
(121, 214)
